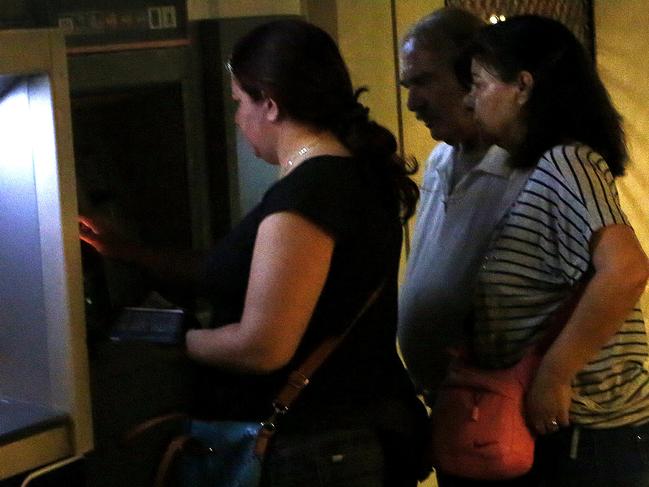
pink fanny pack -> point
(479, 428)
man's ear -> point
(525, 85)
(272, 110)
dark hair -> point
(448, 31)
(568, 102)
(299, 66)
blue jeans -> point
(338, 458)
(615, 457)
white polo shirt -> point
(452, 233)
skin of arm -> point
(290, 263)
(621, 272)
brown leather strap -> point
(263, 439)
(175, 447)
(299, 378)
(141, 428)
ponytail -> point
(300, 67)
(368, 140)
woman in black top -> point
(302, 263)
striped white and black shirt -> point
(540, 253)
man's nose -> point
(469, 100)
(414, 100)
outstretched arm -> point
(169, 266)
(621, 272)
(291, 260)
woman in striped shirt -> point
(537, 94)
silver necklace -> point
(298, 156)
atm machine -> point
(55, 352)
(45, 413)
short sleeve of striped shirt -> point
(582, 197)
(544, 247)
(542, 250)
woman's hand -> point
(620, 275)
(105, 240)
(547, 402)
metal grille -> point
(577, 15)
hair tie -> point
(358, 112)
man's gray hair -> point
(447, 31)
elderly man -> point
(466, 189)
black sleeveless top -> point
(352, 203)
